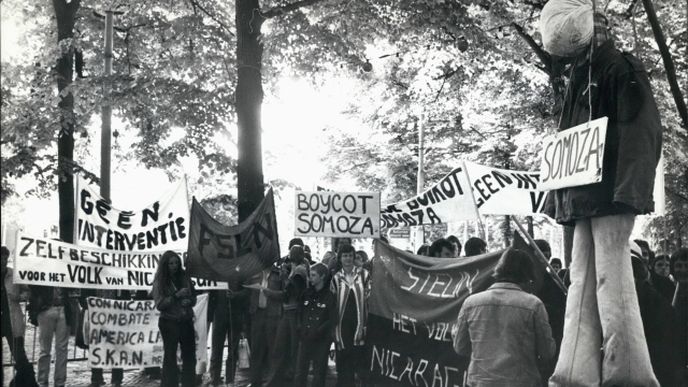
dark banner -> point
(414, 304)
(232, 253)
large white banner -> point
(448, 200)
(125, 334)
(162, 225)
(43, 261)
(505, 192)
(574, 156)
(337, 214)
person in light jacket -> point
(503, 332)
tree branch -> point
(227, 30)
(281, 10)
(668, 62)
(544, 57)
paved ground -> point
(79, 375)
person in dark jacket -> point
(679, 269)
(475, 246)
(294, 275)
(602, 306)
(316, 317)
(227, 310)
(659, 276)
(265, 309)
(175, 297)
(659, 323)
(554, 300)
(14, 326)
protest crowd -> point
(293, 312)
(142, 291)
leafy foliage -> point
(469, 73)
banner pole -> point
(76, 209)
(541, 256)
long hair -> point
(514, 266)
(342, 250)
(163, 278)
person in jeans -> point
(316, 317)
(504, 330)
(50, 310)
(175, 297)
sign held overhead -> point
(337, 214)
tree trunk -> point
(65, 15)
(249, 97)
(668, 62)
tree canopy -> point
(471, 73)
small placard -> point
(574, 156)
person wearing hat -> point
(602, 306)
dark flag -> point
(543, 277)
(232, 253)
(414, 304)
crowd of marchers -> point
(293, 313)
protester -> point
(350, 286)
(265, 309)
(475, 246)
(661, 265)
(337, 243)
(504, 331)
(660, 276)
(602, 305)
(659, 321)
(442, 248)
(293, 242)
(226, 309)
(307, 254)
(361, 258)
(679, 269)
(554, 299)
(457, 245)
(317, 315)
(423, 250)
(294, 277)
(648, 255)
(52, 311)
(175, 297)
(329, 259)
(13, 325)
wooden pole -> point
(106, 112)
